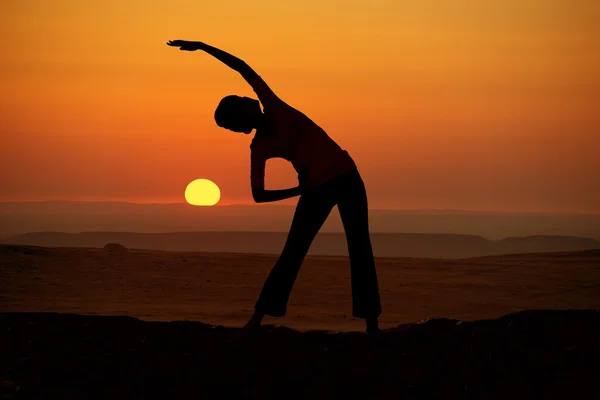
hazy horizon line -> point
(183, 203)
(286, 231)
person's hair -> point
(226, 110)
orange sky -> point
(443, 104)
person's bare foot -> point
(244, 332)
(373, 326)
(252, 326)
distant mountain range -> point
(384, 244)
(73, 217)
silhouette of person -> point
(327, 176)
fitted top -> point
(291, 135)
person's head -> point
(238, 114)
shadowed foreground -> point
(530, 354)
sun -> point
(202, 192)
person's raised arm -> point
(265, 94)
(231, 61)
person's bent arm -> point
(258, 161)
(260, 195)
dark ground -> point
(527, 355)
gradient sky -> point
(483, 105)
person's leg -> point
(311, 212)
(353, 208)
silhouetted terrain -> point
(384, 244)
(453, 329)
(527, 355)
(59, 216)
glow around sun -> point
(202, 192)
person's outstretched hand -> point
(183, 45)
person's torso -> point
(295, 138)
